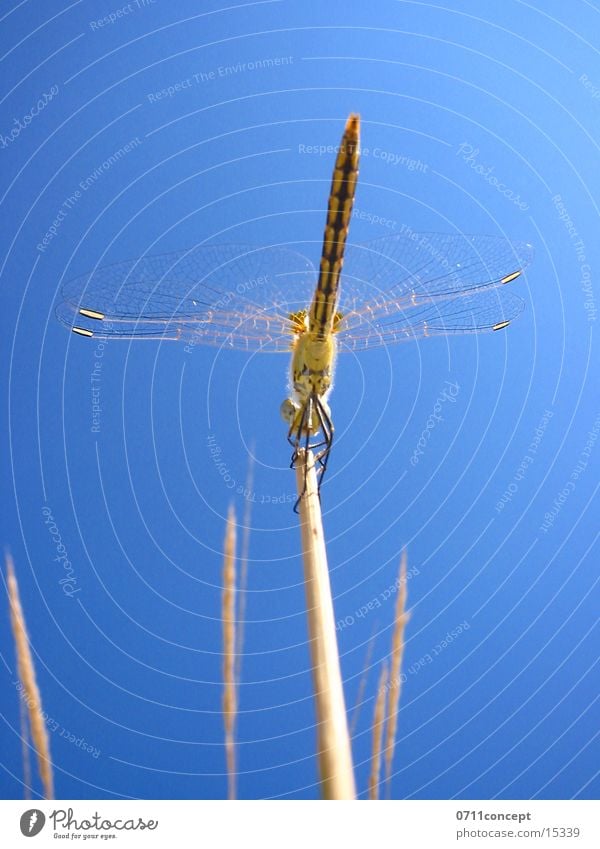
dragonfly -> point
(400, 287)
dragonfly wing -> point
(484, 311)
(237, 296)
(425, 265)
(421, 284)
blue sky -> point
(498, 109)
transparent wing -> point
(484, 311)
(393, 289)
(238, 296)
(424, 284)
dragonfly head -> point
(289, 410)
(295, 415)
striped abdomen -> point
(339, 211)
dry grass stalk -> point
(244, 568)
(401, 618)
(333, 742)
(31, 693)
(363, 682)
(228, 617)
(25, 748)
(378, 726)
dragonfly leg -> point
(327, 428)
(300, 435)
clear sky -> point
(151, 126)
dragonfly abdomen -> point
(339, 211)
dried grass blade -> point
(26, 670)
(378, 727)
(401, 618)
(25, 748)
(363, 681)
(228, 617)
(244, 569)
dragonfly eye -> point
(288, 410)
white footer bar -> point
(302, 824)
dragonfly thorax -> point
(312, 369)
(312, 365)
